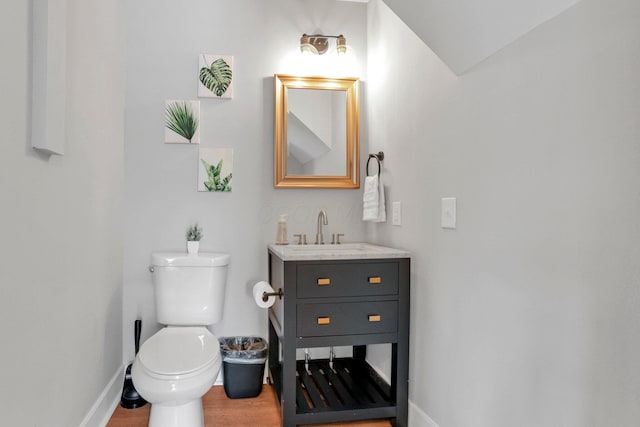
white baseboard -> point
(101, 411)
(417, 417)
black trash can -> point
(243, 360)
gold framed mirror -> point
(317, 132)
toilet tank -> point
(189, 289)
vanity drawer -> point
(343, 280)
(317, 320)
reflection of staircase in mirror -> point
(304, 144)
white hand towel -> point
(373, 200)
(382, 212)
(370, 198)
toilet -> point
(175, 367)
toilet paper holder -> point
(266, 295)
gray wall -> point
(527, 314)
(164, 39)
(61, 224)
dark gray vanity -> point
(339, 295)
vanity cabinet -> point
(342, 301)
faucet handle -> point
(302, 238)
(335, 238)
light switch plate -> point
(448, 217)
(396, 213)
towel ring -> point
(379, 156)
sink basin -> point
(332, 252)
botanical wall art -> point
(182, 122)
(215, 75)
(215, 169)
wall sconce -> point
(318, 44)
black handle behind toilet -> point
(130, 398)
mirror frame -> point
(351, 86)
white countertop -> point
(335, 252)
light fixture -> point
(318, 44)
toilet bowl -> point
(173, 370)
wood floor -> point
(219, 410)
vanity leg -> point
(274, 352)
(288, 396)
(400, 353)
(400, 384)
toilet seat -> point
(179, 352)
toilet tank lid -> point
(180, 259)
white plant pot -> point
(193, 247)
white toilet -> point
(179, 364)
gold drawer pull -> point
(324, 282)
(375, 279)
(374, 318)
(324, 320)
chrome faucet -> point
(322, 219)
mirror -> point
(317, 132)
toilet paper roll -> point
(259, 289)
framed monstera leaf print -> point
(215, 76)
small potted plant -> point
(194, 234)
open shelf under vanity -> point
(349, 386)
